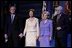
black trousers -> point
(1, 40)
(61, 39)
(13, 41)
(22, 42)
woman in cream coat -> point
(31, 30)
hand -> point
(39, 39)
(53, 15)
(20, 35)
(5, 36)
(50, 38)
(6, 40)
(23, 34)
(58, 28)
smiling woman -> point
(31, 30)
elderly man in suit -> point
(60, 24)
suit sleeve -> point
(51, 28)
(25, 30)
(6, 26)
(37, 28)
(66, 23)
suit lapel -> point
(58, 20)
(9, 19)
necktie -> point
(12, 18)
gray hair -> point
(59, 8)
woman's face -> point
(31, 13)
(44, 16)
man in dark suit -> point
(12, 28)
(60, 27)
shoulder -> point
(50, 20)
(27, 20)
(36, 18)
(64, 15)
(41, 21)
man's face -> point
(12, 9)
(58, 11)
